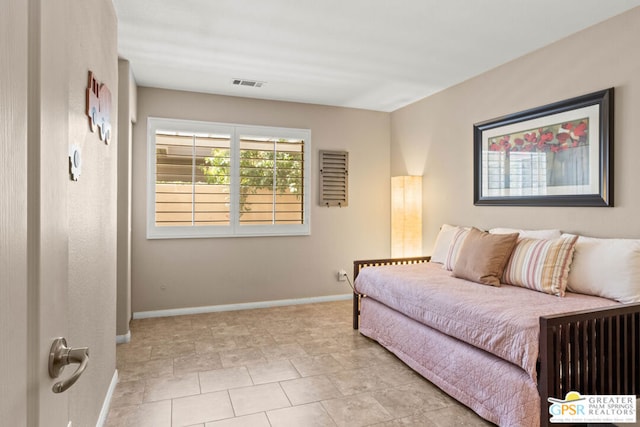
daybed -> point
(503, 350)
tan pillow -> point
(483, 256)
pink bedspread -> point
(502, 320)
(495, 389)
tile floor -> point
(295, 366)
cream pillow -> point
(531, 234)
(457, 240)
(443, 241)
(483, 256)
(608, 268)
(541, 265)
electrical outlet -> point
(342, 275)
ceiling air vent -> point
(249, 83)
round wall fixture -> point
(75, 163)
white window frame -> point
(234, 229)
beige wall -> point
(178, 273)
(91, 204)
(434, 136)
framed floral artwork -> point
(559, 154)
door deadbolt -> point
(61, 356)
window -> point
(220, 180)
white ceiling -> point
(372, 54)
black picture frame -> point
(560, 154)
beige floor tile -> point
(358, 359)
(409, 399)
(422, 419)
(357, 381)
(258, 398)
(452, 416)
(310, 389)
(128, 353)
(128, 393)
(285, 336)
(457, 415)
(316, 365)
(155, 414)
(283, 351)
(311, 415)
(382, 354)
(321, 332)
(223, 379)
(253, 420)
(353, 341)
(171, 387)
(259, 363)
(241, 357)
(215, 345)
(118, 415)
(196, 363)
(229, 331)
(151, 339)
(321, 346)
(201, 408)
(143, 370)
(397, 373)
(161, 330)
(193, 335)
(202, 321)
(356, 411)
(257, 329)
(230, 318)
(278, 370)
(256, 341)
(172, 350)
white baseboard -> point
(122, 339)
(107, 400)
(242, 306)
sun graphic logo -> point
(572, 405)
(593, 408)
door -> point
(13, 208)
(33, 179)
(48, 225)
(57, 236)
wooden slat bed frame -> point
(591, 352)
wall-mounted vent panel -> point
(249, 83)
(334, 178)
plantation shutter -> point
(271, 180)
(208, 179)
(334, 178)
(189, 190)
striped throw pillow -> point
(541, 265)
(454, 248)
